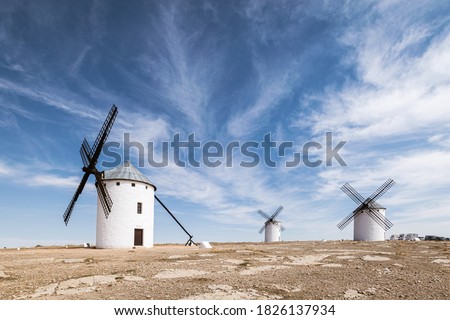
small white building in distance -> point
(366, 228)
(272, 231)
(130, 223)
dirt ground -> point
(283, 270)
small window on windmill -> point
(117, 183)
(139, 207)
(133, 185)
(146, 187)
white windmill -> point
(272, 227)
(125, 203)
(130, 222)
(370, 222)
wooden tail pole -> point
(189, 242)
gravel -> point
(283, 270)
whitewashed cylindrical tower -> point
(272, 232)
(366, 228)
(130, 222)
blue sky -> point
(374, 73)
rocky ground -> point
(284, 270)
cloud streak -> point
(401, 87)
(49, 99)
(28, 176)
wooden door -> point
(138, 237)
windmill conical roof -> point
(126, 171)
(376, 205)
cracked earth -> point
(284, 270)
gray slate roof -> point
(126, 171)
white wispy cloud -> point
(9, 63)
(80, 59)
(7, 119)
(28, 175)
(49, 98)
(277, 67)
(271, 90)
(5, 170)
(184, 74)
(53, 181)
(9, 111)
(142, 127)
(402, 85)
(441, 140)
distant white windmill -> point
(272, 227)
(369, 218)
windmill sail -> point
(89, 157)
